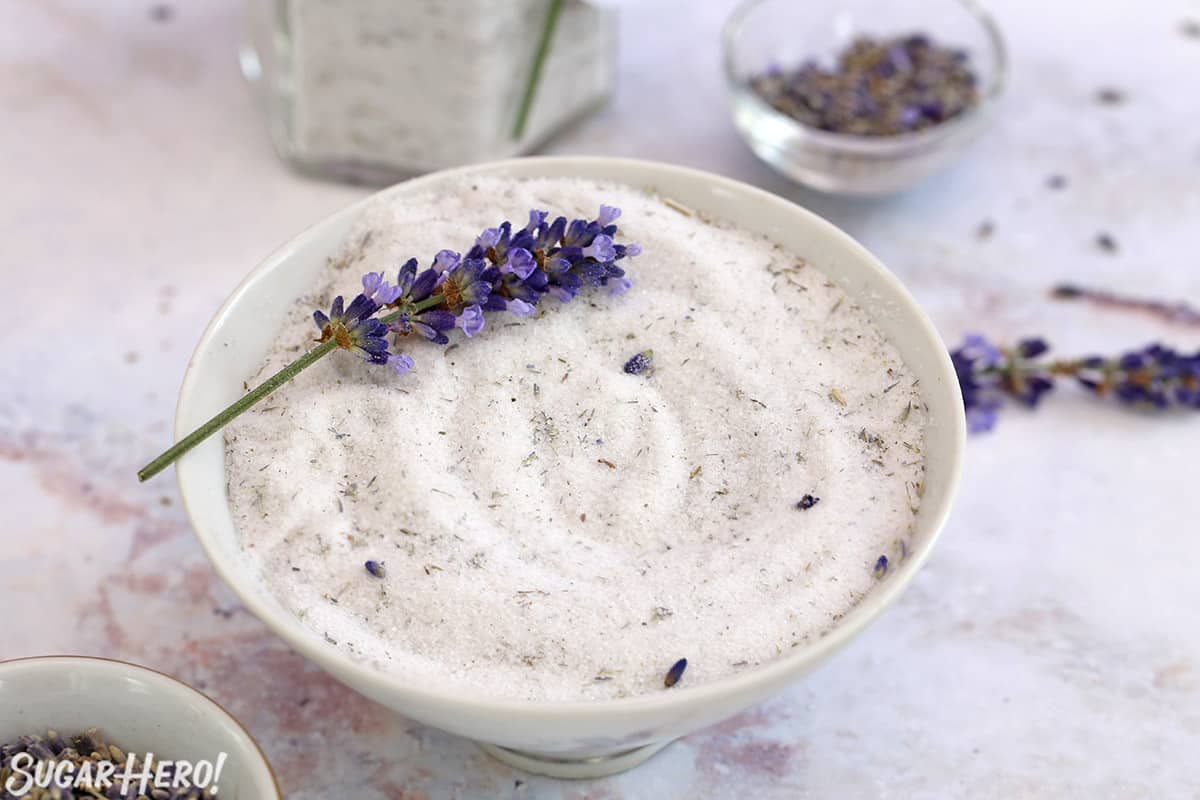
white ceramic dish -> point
(585, 738)
(135, 708)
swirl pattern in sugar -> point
(554, 528)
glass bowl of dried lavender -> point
(79, 727)
(862, 97)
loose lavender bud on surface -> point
(640, 362)
(675, 673)
(376, 568)
(881, 566)
(807, 502)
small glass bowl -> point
(764, 33)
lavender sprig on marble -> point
(1154, 377)
(504, 270)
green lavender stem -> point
(535, 73)
(246, 401)
(1052, 367)
(240, 405)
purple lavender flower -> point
(1154, 376)
(974, 364)
(536, 218)
(562, 283)
(415, 287)
(485, 241)
(445, 260)
(402, 363)
(354, 328)
(1032, 348)
(601, 249)
(1024, 381)
(619, 285)
(568, 256)
(639, 362)
(520, 262)
(429, 324)
(520, 308)
(505, 269)
(471, 320)
(377, 289)
(494, 243)
(509, 287)
(580, 233)
(463, 285)
(547, 236)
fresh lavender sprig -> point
(504, 270)
(1155, 377)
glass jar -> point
(377, 90)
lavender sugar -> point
(553, 527)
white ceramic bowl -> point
(583, 738)
(137, 709)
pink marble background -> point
(1049, 649)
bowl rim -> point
(861, 143)
(153, 676)
(452, 697)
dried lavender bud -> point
(1056, 182)
(640, 362)
(376, 568)
(807, 502)
(1109, 96)
(881, 567)
(1066, 291)
(675, 673)
(1106, 242)
(878, 87)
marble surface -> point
(1049, 649)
